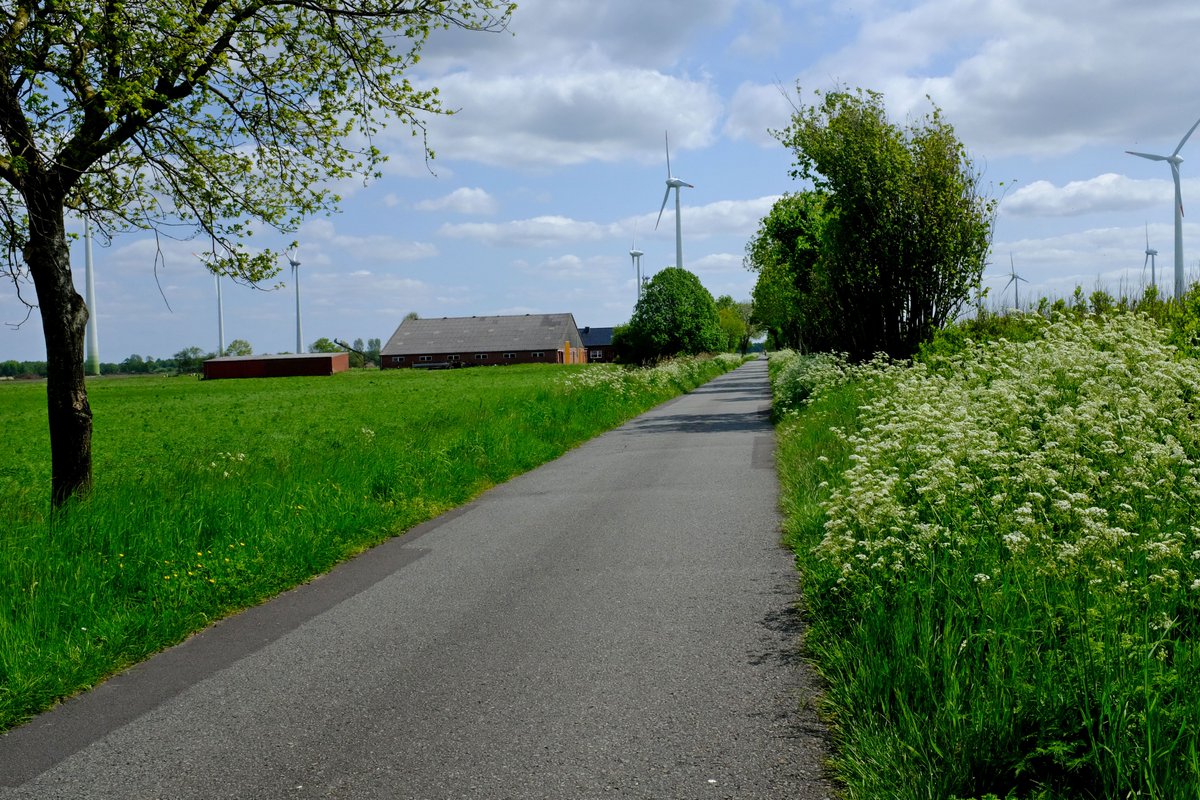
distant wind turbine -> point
(93, 321)
(220, 308)
(1174, 160)
(636, 255)
(1015, 281)
(673, 183)
(1150, 254)
(291, 257)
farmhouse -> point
(280, 366)
(447, 342)
(598, 342)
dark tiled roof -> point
(596, 337)
(482, 334)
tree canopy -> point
(788, 297)
(239, 347)
(210, 118)
(892, 241)
(676, 315)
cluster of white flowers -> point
(621, 380)
(796, 378)
(224, 462)
(1077, 455)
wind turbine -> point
(1150, 254)
(220, 308)
(636, 255)
(291, 257)
(1014, 280)
(1174, 160)
(673, 183)
(93, 329)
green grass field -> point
(1000, 557)
(211, 496)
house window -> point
(510, 355)
(538, 354)
(596, 355)
(452, 358)
(481, 356)
(397, 359)
(426, 358)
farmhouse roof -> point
(483, 334)
(596, 337)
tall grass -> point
(1001, 561)
(211, 496)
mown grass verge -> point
(1000, 558)
(211, 496)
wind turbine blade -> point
(666, 197)
(667, 139)
(683, 183)
(1186, 136)
(1150, 156)
(1147, 239)
(1147, 261)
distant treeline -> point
(191, 359)
(135, 364)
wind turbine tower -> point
(1174, 160)
(636, 255)
(220, 318)
(291, 257)
(673, 183)
(1150, 254)
(220, 307)
(1015, 281)
(92, 330)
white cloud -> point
(739, 217)
(461, 201)
(765, 33)
(1107, 192)
(321, 244)
(1026, 76)
(580, 34)
(556, 119)
(755, 110)
(717, 263)
(538, 231)
(569, 267)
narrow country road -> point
(616, 623)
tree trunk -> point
(64, 317)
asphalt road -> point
(617, 623)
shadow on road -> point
(756, 421)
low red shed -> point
(280, 366)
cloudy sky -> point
(555, 161)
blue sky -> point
(556, 157)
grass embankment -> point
(211, 496)
(1000, 552)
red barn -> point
(280, 366)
